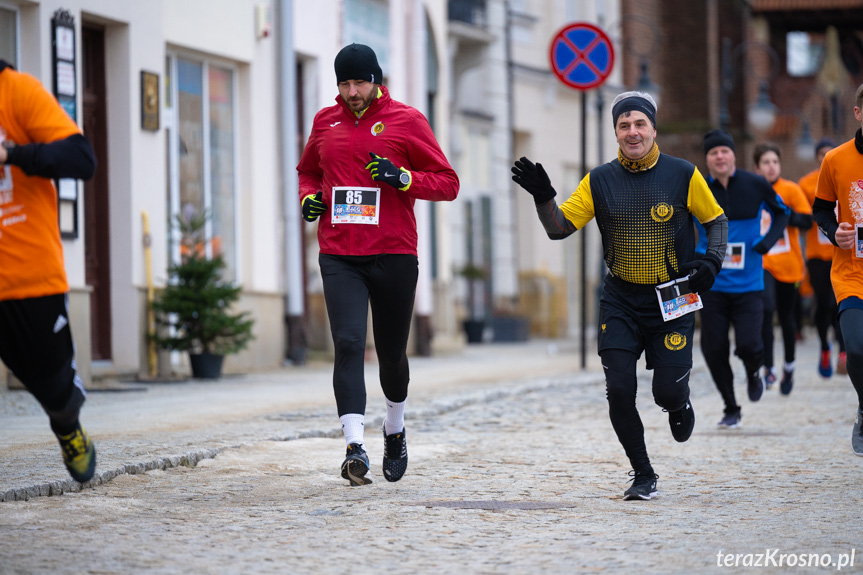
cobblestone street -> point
(514, 468)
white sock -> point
(352, 427)
(790, 366)
(395, 421)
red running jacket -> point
(336, 155)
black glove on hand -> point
(532, 177)
(313, 207)
(760, 248)
(383, 170)
(702, 274)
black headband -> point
(634, 103)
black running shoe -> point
(643, 486)
(787, 381)
(755, 386)
(395, 455)
(857, 435)
(79, 454)
(356, 465)
(682, 422)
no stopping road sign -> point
(581, 55)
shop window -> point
(201, 131)
(9, 35)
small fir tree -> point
(194, 308)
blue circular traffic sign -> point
(581, 55)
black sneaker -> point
(682, 422)
(356, 465)
(769, 379)
(787, 381)
(857, 434)
(754, 385)
(395, 455)
(643, 486)
(79, 454)
(730, 421)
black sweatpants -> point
(721, 310)
(779, 297)
(825, 302)
(351, 283)
(36, 345)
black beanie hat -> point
(824, 143)
(358, 62)
(715, 138)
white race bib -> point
(5, 179)
(735, 256)
(858, 241)
(782, 245)
(823, 239)
(354, 205)
(676, 299)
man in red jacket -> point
(367, 161)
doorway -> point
(97, 236)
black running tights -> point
(670, 391)
(852, 330)
(351, 283)
(779, 297)
(825, 302)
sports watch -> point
(404, 178)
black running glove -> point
(313, 206)
(383, 170)
(532, 177)
(760, 248)
(702, 274)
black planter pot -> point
(474, 328)
(206, 365)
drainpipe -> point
(294, 290)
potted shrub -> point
(193, 312)
(474, 325)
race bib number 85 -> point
(352, 205)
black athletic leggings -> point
(670, 391)
(36, 345)
(779, 297)
(721, 311)
(388, 282)
(825, 302)
(852, 328)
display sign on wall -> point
(66, 92)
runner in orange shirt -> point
(841, 181)
(819, 258)
(40, 143)
(783, 266)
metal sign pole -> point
(584, 172)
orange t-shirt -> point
(818, 247)
(841, 180)
(784, 261)
(31, 254)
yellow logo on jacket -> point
(661, 212)
(378, 128)
(675, 341)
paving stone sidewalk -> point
(514, 468)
